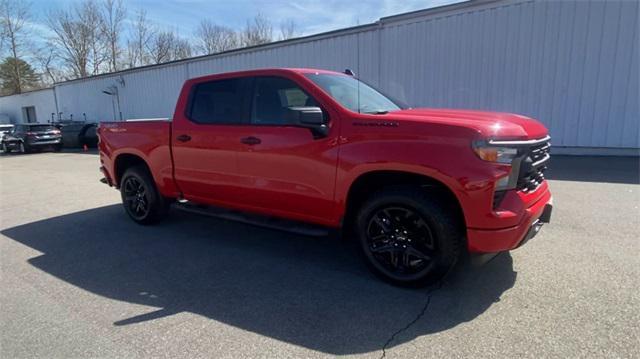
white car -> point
(5, 129)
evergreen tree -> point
(16, 76)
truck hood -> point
(487, 124)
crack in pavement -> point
(414, 321)
(430, 293)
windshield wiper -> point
(377, 112)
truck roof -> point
(266, 71)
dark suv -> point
(28, 137)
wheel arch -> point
(369, 182)
(125, 161)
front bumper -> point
(499, 240)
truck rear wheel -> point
(408, 237)
(140, 197)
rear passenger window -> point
(217, 102)
(272, 97)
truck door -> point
(206, 140)
(286, 170)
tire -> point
(87, 136)
(57, 148)
(140, 197)
(5, 149)
(22, 148)
(409, 237)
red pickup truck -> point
(416, 187)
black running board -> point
(256, 220)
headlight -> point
(503, 155)
(497, 154)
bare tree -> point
(140, 41)
(72, 43)
(78, 36)
(114, 13)
(46, 59)
(288, 29)
(91, 19)
(3, 32)
(212, 38)
(168, 46)
(161, 47)
(181, 49)
(132, 55)
(257, 31)
(13, 16)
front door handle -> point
(183, 138)
(251, 140)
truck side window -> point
(272, 97)
(217, 102)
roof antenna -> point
(349, 72)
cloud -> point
(39, 28)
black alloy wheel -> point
(136, 200)
(140, 197)
(409, 236)
(401, 241)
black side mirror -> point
(310, 117)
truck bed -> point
(148, 139)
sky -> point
(310, 16)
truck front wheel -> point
(408, 237)
(140, 197)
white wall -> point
(571, 64)
(43, 100)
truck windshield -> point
(354, 94)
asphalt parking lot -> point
(79, 279)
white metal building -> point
(16, 106)
(571, 64)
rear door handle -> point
(251, 140)
(183, 138)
